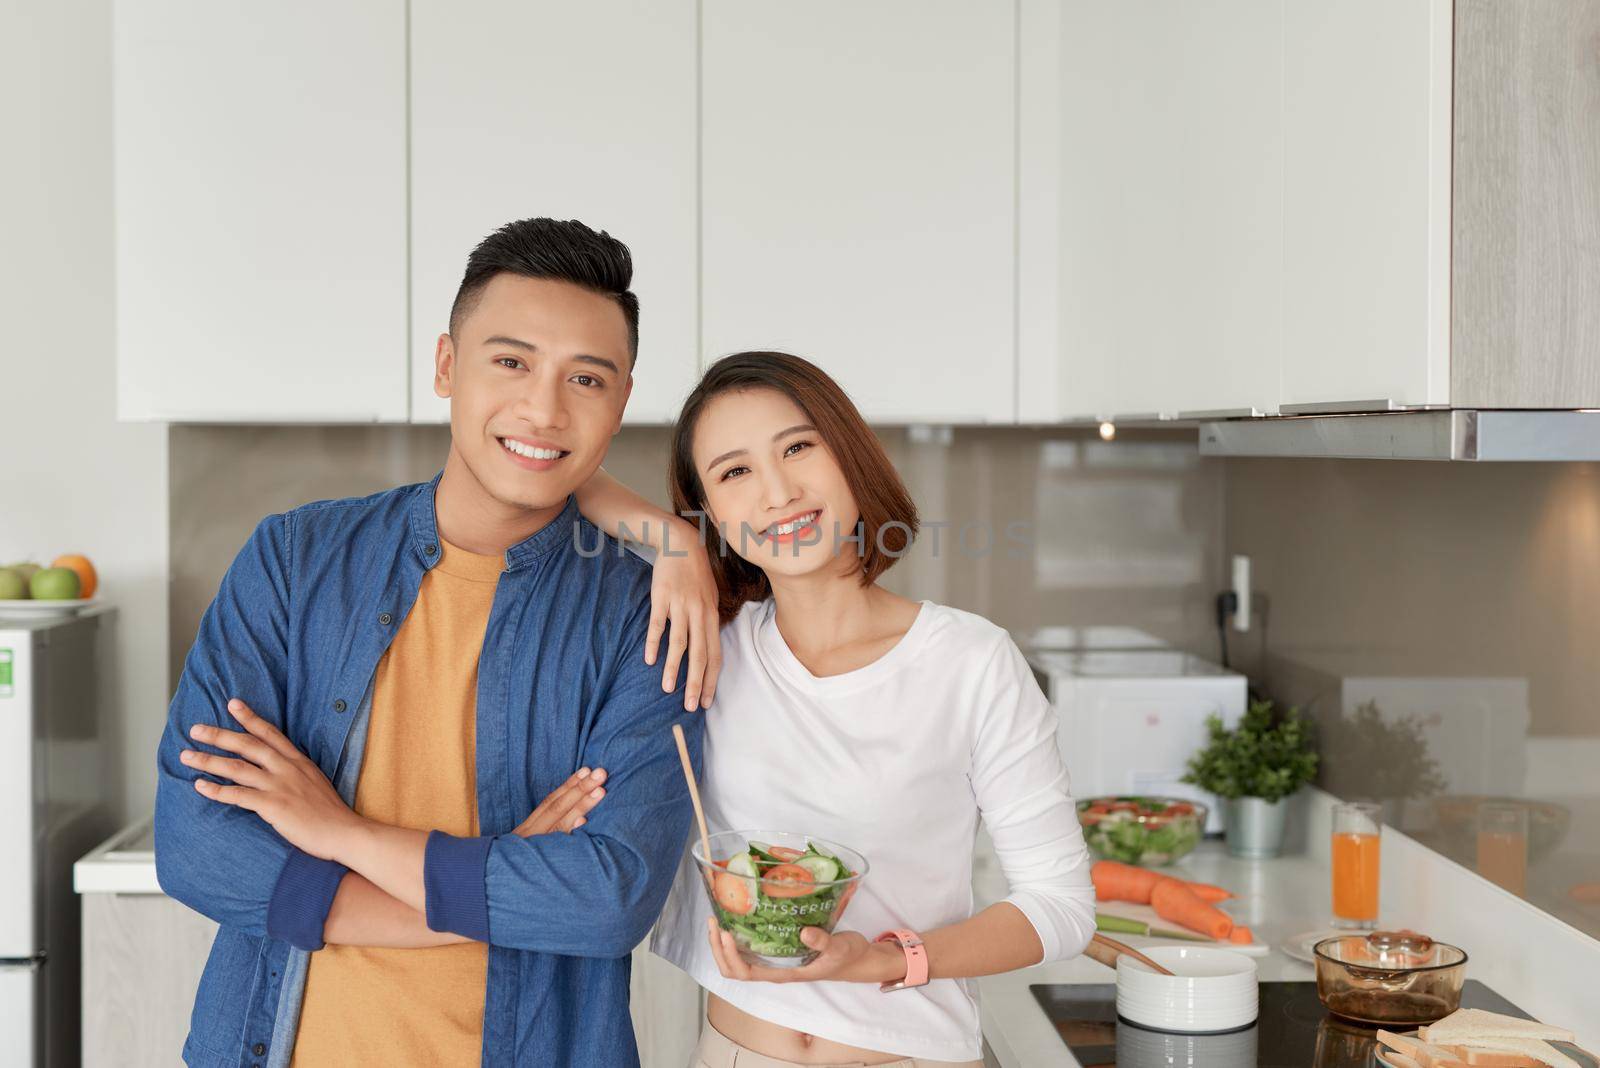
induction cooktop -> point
(1293, 1030)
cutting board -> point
(1147, 914)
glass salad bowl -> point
(1150, 831)
(767, 886)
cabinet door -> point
(142, 959)
(260, 201)
(858, 180)
(1366, 244)
(665, 1005)
(1151, 208)
(572, 111)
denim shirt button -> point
(338, 705)
(385, 618)
(258, 1049)
(431, 549)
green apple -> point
(55, 584)
(26, 569)
(13, 587)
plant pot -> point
(1255, 827)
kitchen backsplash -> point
(1427, 572)
(1127, 533)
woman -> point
(852, 713)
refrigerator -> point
(56, 802)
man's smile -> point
(533, 455)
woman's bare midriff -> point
(785, 1043)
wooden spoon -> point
(1107, 950)
(694, 795)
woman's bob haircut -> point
(888, 521)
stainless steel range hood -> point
(1452, 434)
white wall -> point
(72, 479)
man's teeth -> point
(529, 451)
(793, 525)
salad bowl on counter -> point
(1148, 831)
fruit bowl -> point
(30, 591)
(28, 609)
(1149, 831)
(767, 886)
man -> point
(344, 780)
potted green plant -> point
(1252, 769)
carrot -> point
(1207, 892)
(1241, 935)
(1114, 881)
(1176, 902)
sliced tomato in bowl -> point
(733, 893)
(788, 880)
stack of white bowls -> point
(1210, 990)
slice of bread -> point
(1405, 1044)
(1421, 1054)
(1399, 1060)
(1431, 1056)
(1494, 1058)
(1538, 1049)
(1464, 1025)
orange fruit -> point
(87, 579)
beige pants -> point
(716, 1050)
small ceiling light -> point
(1108, 430)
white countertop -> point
(125, 863)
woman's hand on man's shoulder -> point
(683, 606)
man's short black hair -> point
(563, 249)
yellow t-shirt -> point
(414, 1006)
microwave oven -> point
(1131, 719)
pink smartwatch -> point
(916, 960)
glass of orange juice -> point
(1503, 845)
(1355, 864)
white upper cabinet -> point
(260, 203)
(967, 212)
(1233, 206)
(572, 111)
(1366, 244)
(858, 169)
(1151, 208)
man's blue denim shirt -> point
(296, 630)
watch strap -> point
(916, 959)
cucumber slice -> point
(763, 853)
(812, 847)
(743, 864)
(822, 869)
